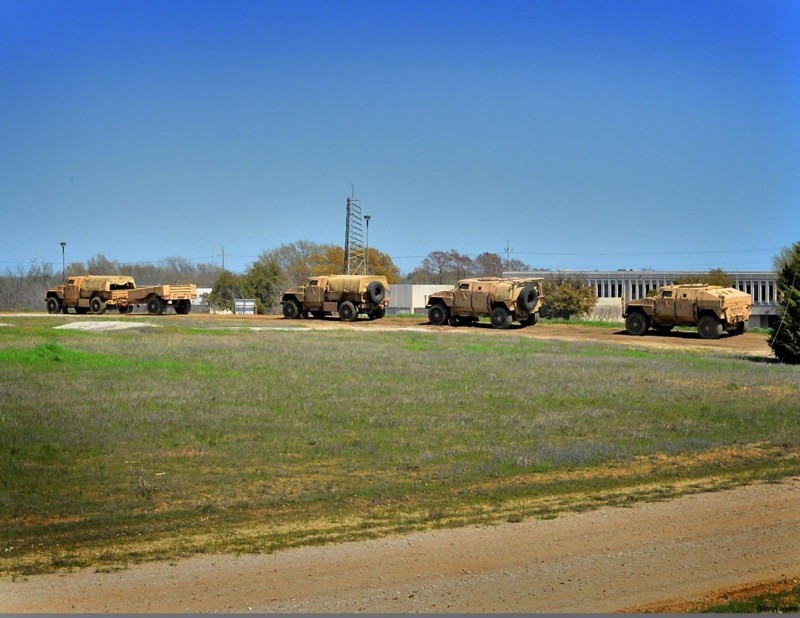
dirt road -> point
(607, 560)
(748, 344)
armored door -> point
(480, 297)
(314, 293)
(665, 305)
(461, 299)
(684, 307)
(71, 293)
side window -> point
(463, 286)
(314, 282)
(666, 294)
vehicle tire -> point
(709, 327)
(739, 329)
(377, 314)
(376, 292)
(637, 323)
(183, 307)
(53, 305)
(155, 306)
(291, 309)
(532, 319)
(528, 297)
(97, 305)
(123, 309)
(438, 314)
(348, 312)
(501, 317)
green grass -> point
(128, 446)
(786, 602)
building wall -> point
(407, 298)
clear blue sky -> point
(586, 134)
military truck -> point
(503, 300)
(712, 308)
(97, 293)
(347, 295)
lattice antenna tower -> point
(354, 253)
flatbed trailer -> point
(98, 293)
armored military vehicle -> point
(712, 308)
(502, 300)
(347, 295)
(97, 293)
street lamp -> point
(63, 270)
(366, 259)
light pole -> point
(366, 259)
(63, 264)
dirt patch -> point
(610, 559)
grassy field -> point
(163, 442)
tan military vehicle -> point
(712, 308)
(347, 295)
(503, 300)
(97, 293)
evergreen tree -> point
(785, 336)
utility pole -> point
(508, 250)
(63, 264)
(366, 255)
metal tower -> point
(354, 253)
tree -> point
(567, 296)
(227, 287)
(715, 276)
(301, 259)
(294, 261)
(262, 282)
(785, 335)
(489, 265)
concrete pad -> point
(105, 326)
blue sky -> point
(585, 134)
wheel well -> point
(706, 312)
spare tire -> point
(528, 297)
(376, 292)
